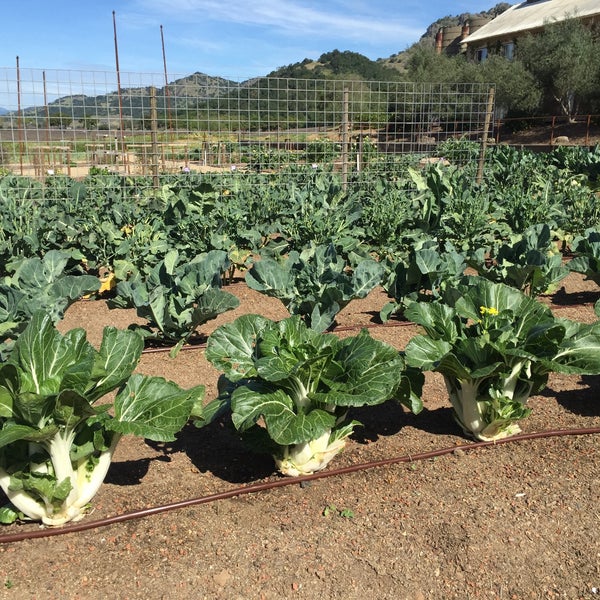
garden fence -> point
(74, 122)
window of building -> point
(481, 54)
(509, 50)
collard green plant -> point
(315, 284)
(175, 298)
(421, 277)
(290, 388)
(56, 440)
(39, 284)
(531, 263)
(495, 347)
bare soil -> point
(509, 521)
(579, 133)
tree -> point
(425, 65)
(565, 58)
(516, 88)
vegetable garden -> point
(463, 278)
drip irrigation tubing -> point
(202, 345)
(269, 485)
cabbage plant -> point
(289, 388)
(56, 440)
(495, 347)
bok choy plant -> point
(289, 388)
(56, 442)
(495, 347)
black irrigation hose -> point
(269, 485)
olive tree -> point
(565, 59)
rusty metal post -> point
(20, 119)
(119, 96)
(154, 139)
(484, 138)
(345, 142)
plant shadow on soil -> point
(219, 450)
(129, 472)
(563, 298)
(216, 448)
(389, 418)
(582, 401)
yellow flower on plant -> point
(107, 283)
(485, 310)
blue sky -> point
(236, 39)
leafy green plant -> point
(322, 212)
(531, 262)
(289, 388)
(586, 248)
(39, 284)
(56, 441)
(495, 347)
(175, 298)
(387, 215)
(315, 284)
(420, 277)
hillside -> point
(199, 89)
(336, 64)
(199, 86)
(397, 60)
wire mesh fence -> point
(75, 123)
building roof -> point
(532, 14)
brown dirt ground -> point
(511, 521)
(580, 133)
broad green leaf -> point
(438, 320)
(365, 277)
(266, 275)
(153, 407)
(117, 358)
(44, 355)
(579, 352)
(11, 432)
(73, 287)
(211, 304)
(231, 347)
(284, 425)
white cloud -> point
(350, 20)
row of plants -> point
(285, 388)
(178, 295)
(125, 224)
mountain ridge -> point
(202, 88)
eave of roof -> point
(527, 16)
